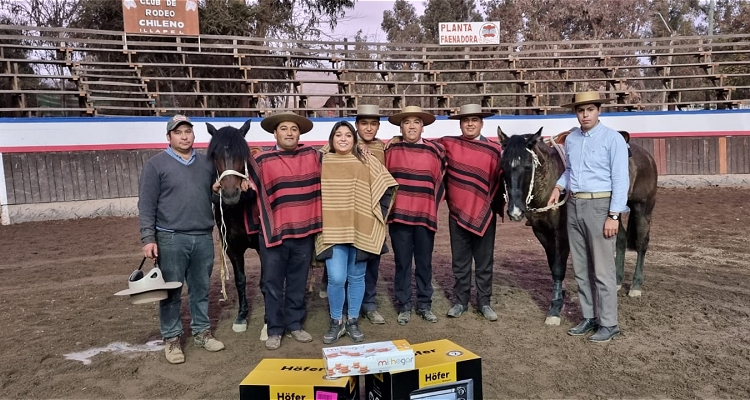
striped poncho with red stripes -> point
(289, 202)
(472, 179)
(419, 169)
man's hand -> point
(216, 187)
(364, 149)
(151, 250)
(610, 227)
(247, 184)
(554, 197)
(394, 140)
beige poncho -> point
(351, 195)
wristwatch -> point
(615, 217)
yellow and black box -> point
(296, 379)
(444, 370)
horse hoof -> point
(555, 321)
(619, 287)
(264, 333)
(634, 293)
(239, 327)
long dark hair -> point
(355, 147)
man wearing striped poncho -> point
(287, 181)
(418, 166)
(472, 181)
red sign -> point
(161, 17)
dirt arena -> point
(687, 337)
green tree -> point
(401, 24)
(437, 11)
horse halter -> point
(535, 163)
(223, 229)
(233, 172)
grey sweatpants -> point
(593, 259)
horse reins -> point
(534, 163)
(223, 230)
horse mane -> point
(228, 140)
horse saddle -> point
(560, 139)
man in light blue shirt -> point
(597, 178)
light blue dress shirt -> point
(597, 162)
(176, 156)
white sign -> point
(469, 33)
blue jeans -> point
(188, 259)
(343, 268)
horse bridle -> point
(530, 196)
(223, 229)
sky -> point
(367, 16)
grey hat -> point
(369, 111)
(412, 111)
(470, 110)
(176, 120)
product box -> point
(369, 358)
(444, 371)
(296, 379)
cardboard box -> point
(444, 370)
(369, 358)
(296, 379)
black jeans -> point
(371, 282)
(412, 242)
(287, 263)
(465, 247)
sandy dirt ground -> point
(688, 336)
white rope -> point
(534, 163)
(223, 232)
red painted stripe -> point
(688, 134)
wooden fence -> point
(92, 175)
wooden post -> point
(722, 155)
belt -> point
(592, 195)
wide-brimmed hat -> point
(412, 111)
(269, 124)
(148, 287)
(590, 97)
(470, 110)
(176, 120)
(368, 111)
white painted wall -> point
(71, 134)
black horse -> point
(531, 169)
(228, 150)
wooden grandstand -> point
(74, 72)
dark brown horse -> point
(229, 152)
(531, 168)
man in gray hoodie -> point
(176, 221)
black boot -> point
(586, 326)
(352, 328)
(336, 331)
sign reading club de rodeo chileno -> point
(161, 17)
(469, 33)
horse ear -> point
(531, 141)
(211, 129)
(501, 136)
(245, 128)
(625, 135)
